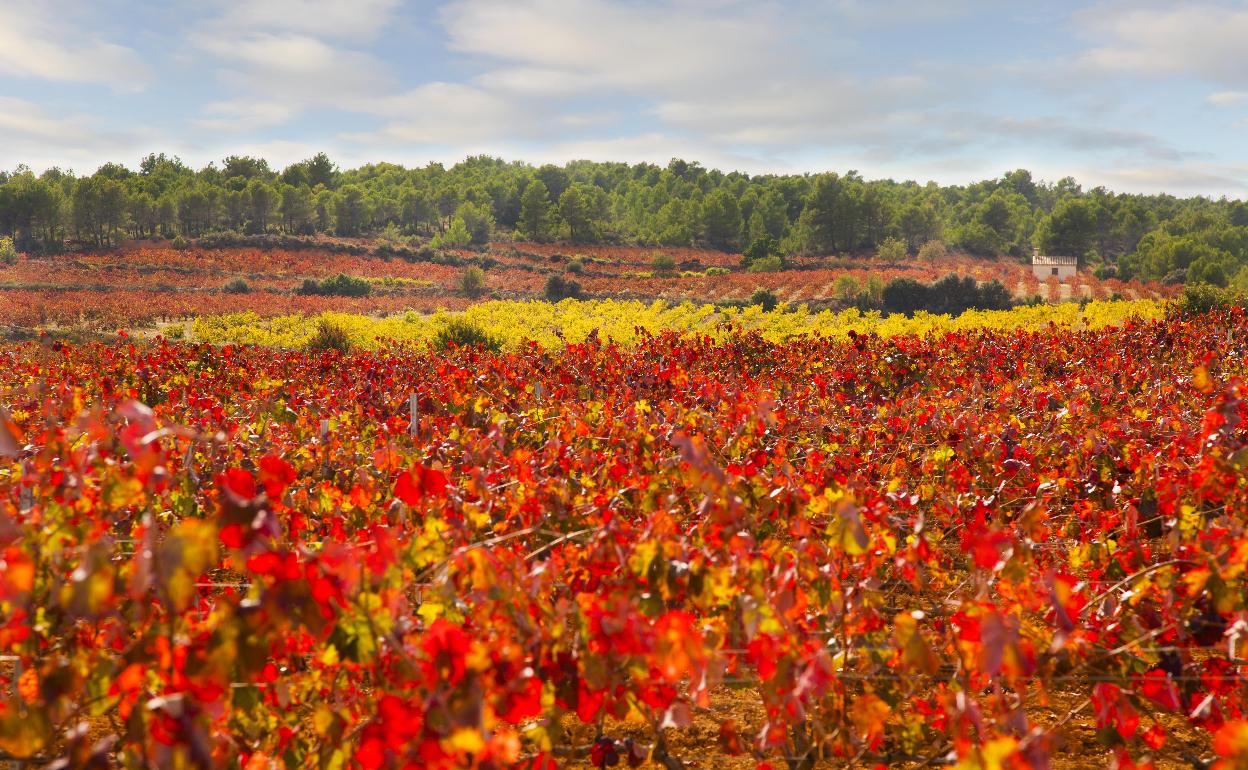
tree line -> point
(1154, 237)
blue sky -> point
(1135, 95)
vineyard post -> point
(325, 442)
(17, 678)
(15, 764)
(413, 408)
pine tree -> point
(537, 213)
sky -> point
(1134, 95)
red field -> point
(994, 550)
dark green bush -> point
(340, 285)
(460, 332)
(765, 297)
(993, 296)
(1203, 298)
(950, 295)
(559, 287)
(330, 336)
(662, 263)
(472, 281)
(230, 239)
(762, 248)
(772, 264)
(906, 295)
(1175, 277)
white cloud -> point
(40, 40)
(1181, 179)
(448, 113)
(276, 65)
(354, 20)
(1202, 40)
(557, 47)
(894, 12)
(30, 134)
(20, 119)
(1075, 136)
(300, 70)
(720, 78)
(1227, 98)
(279, 58)
(722, 71)
(801, 110)
(239, 115)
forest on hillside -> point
(1150, 237)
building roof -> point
(1040, 260)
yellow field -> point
(513, 322)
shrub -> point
(933, 251)
(576, 266)
(478, 221)
(558, 287)
(237, 286)
(1212, 273)
(230, 239)
(847, 287)
(712, 271)
(772, 264)
(1239, 281)
(8, 254)
(472, 281)
(875, 289)
(340, 285)
(994, 296)
(759, 249)
(662, 263)
(951, 295)
(906, 295)
(765, 297)
(406, 253)
(459, 332)
(1204, 298)
(1175, 277)
(893, 250)
(457, 236)
(1105, 272)
(181, 244)
(330, 336)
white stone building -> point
(1061, 268)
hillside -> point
(682, 205)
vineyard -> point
(1000, 544)
(142, 286)
(551, 324)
